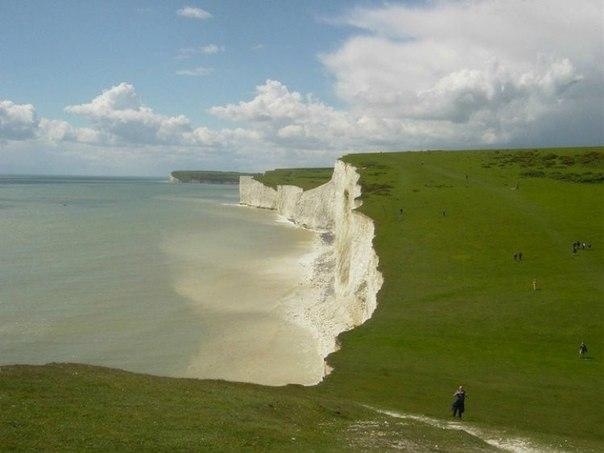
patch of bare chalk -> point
(494, 438)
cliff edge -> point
(345, 273)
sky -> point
(146, 87)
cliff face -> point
(253, 193)
(348, 270)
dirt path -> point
(494, 438)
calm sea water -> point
(139, 274)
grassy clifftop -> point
(456, 308)
(217, 177)
(307, 178)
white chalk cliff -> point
(345, 277)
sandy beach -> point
(269, 337)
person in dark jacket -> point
(582, 350)
(459, 399)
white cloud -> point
(287, 117)
(461, 94)
(273, 101)
(439, 75)
(190, 52)
(120, 119)
(276, 104)
(483, 71)
(17, 121)
(124, 137)
(195, 72)
(203, 136)
(191, 12)
(118, 116)
(56, 131)
(211, 49)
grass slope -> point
(456, 308)
(79, 407)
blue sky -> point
(141, 87)
(64, 52)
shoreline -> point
(258, 342)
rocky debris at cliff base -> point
(304, 305)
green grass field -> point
(456, 308)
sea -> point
(150, 277)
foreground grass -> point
(456, 308)
(76, 407)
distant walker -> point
(582, 350)
(459, 400)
